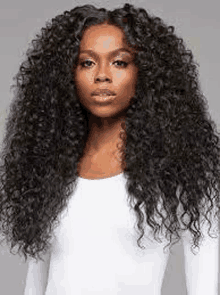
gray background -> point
(197, 22)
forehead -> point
(103, 37)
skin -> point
(102, 71)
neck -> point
(104, 133)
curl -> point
(171, 144)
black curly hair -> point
(172, 145)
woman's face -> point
(102, 65)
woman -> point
(108, 129)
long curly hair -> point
(171, 145)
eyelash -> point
(126, 64)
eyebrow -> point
(112, 53)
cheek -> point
(83, 82)
(127, 78)
(133, 82)
(128, 84)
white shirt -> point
(95, 249)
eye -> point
(83, 63)
(120, 61)
(117, 61)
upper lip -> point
(103, 91)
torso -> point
(137, 271)
(99, 167)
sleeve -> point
(37, 276)
(201, 269)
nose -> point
(102, 79)
(102, 74)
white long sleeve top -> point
(95, 250)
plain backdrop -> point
(196, 21)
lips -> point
(103, 92)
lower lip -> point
(104, 99)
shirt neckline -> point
(104, 178)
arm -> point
(37, 276)
(202, 269)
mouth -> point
(104, 99)
(103, 92)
